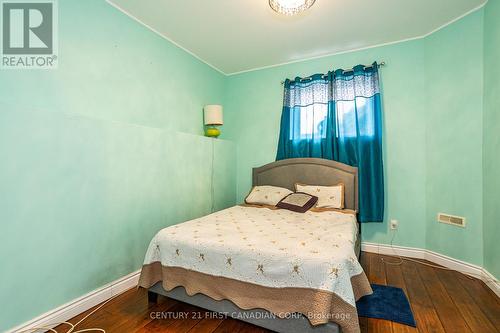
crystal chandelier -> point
(290, 7)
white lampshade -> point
(213, 115)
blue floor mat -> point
(388, 303)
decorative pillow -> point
(266, 195)
(298, 202)
(328, 196)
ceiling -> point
(240, 35)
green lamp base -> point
(212, 132)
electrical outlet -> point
(394, 224)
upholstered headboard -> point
(313, 171)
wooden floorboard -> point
(206, 325)
(467, 307)
(424, 312)
(377, 276)
(230, 326)
(441, 301)
(484, 298)
(394, 277)
(365, 263)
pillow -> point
(328, 196)
(266, 195)
(298, 202)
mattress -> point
(277, 260)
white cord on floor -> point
(71, 326)
(401, 260)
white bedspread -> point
(272, 248)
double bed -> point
(278, 269)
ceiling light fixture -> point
(290, 7)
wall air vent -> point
(450, 219)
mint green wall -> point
(117, 70)
(454, 95)
(254, 100)
(93, 161)
(491, 135)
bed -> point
(281, 270)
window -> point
(310, 121)
(352, 113)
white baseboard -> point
(410, 252)
(491, 281)
(440, 259)
(81, 304)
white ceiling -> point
(239, 35)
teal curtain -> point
(338, 116)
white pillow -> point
(328, 196)
(266, 195)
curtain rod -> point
(381, 64)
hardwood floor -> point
(442, 301)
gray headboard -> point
(313, 171)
